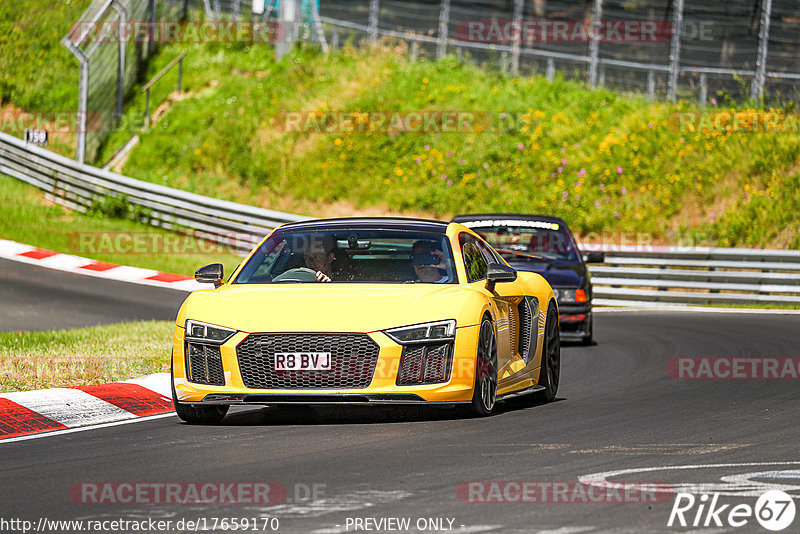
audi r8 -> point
(365, 311)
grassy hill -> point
(601, 160)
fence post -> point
(335, 38)
(373, 21)
(444, 20)
(288, 12)
(235, 14)
(703, 89)
(594, 44)
(675, 49)
(123, 18)
(151, 42)
(517, 16)
(757, 87)
(83, 102)
(651, 85)
(317, 21)
(550, 73)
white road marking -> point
(734, 487)
(671, 308)
(56, 433)
(347, 502)
(70, 407)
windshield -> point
(549, 240)
(368, 255)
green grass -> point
(37, 73)
(96, 355)
(603, 161)
(28, 218)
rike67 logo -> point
(774, 510)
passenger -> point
(428, 262)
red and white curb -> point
(32, 412)
(12, 250)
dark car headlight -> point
(207, 333)
(423, 333)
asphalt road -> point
(37, 298)
(617, 410)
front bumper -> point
(574, 321)
(382, 387)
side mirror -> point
(594, 257)
(210, 274)
(497, 272)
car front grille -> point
(205, 364)
(353, 360)
(425, 364)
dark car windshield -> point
(550, 240)
(362, 255)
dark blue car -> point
(545, 245)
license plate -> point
(303, 361)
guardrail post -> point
(515, 46)
(374, 7)
(180, 75)
(757, 87)
(335, 38)
(550, 73)
(444, 20)
(651, 85)
(675, 49)
(594, 44)
(414, 50)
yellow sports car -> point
(365, 311)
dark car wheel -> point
(551, 356)
(588, 338)
(485, 395)
(197, 415)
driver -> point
(318, 256)
(428, 262)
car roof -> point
(387, 223)
(519, 216)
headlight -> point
(423, 333)
(195, 330)
(570, 296)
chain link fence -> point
(109, 66)
(710, 51)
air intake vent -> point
(205, 364)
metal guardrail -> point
(79, 186)
(696, 275)
(631, 276)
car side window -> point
(474, 261)
(486, 252)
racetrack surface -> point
(38, 298)
(617, 409)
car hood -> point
(555, 276)
(325, 307)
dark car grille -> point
(425, 364)
(205, 364)
(353, 359)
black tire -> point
(588, 339)
(197, 415)
(485, 394)
(551, 356)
